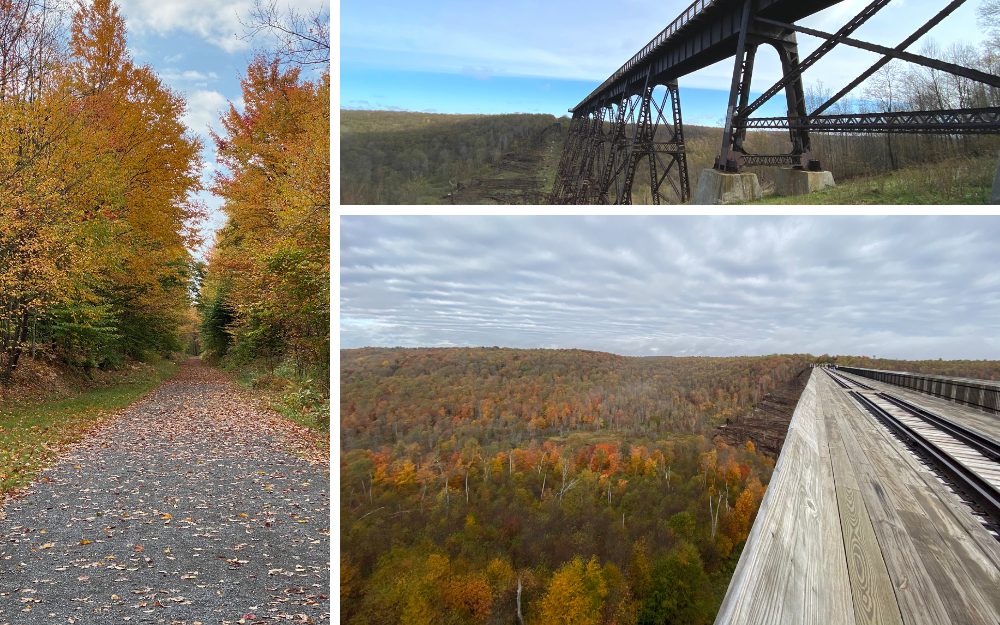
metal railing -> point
(982, 394)
(696, 7)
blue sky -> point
(485, 56)
(195, 48)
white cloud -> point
(203, 109)
(174, 58)
(215, 21)
(173, 74)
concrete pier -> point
(801, 182)
(716, 187)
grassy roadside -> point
(954, 181)
(33, 433)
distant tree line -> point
(393, 157)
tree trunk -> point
(519, 617)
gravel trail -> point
(184, 509)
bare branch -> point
(302, 39)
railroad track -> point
(853, 381)
(966, 461)
(837, 379)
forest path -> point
(184, 509)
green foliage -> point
(86, 332)
(679, 590)
(683, 524)
(217, 317)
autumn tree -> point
(575, 595)
(96, 171)
(271, 263)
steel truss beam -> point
(948, 122)
(951, 68)
(604, 148)
(906, 43)
(611, 129)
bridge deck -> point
(705, 33)
(854, 529)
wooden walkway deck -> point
(855, 530)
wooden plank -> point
(907, 502)
(838, 594)
(871, 588)
(787, 570)
(915, 594)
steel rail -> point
(978, 490)
(855, 382)
(984, 445)
(837, 380)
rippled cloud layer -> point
(894, 287)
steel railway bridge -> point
(622, 122)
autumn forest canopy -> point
(98, 216)
(489, 485)
(565, 485)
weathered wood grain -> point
(960, 574)
(853, 529)
(874, 600)
(788, 572)
(915, 595)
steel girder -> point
(604, 148)
(799, 123)
(948, 122)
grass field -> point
(33, 433)
(952, 181)
(421, 158)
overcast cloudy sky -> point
(897, 287)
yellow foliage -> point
(575, 595)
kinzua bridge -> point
(618, 125)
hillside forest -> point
(565, 486)
(501, 486)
